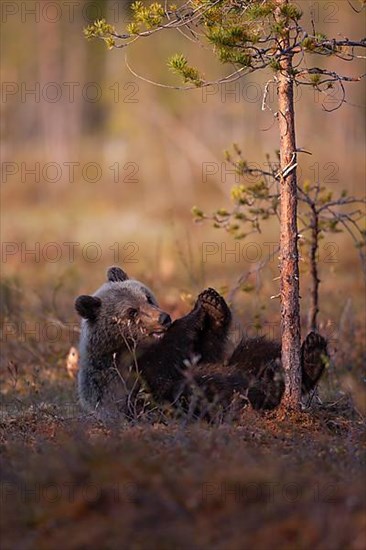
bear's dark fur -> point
(126, 337)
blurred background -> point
(100, 167)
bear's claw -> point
(214, 305)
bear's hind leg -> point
(314, 357)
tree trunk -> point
(290, 308)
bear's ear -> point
(116, 274)
(88, 306)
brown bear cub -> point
(127, 339)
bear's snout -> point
(165, 319)
(154, 320)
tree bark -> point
(289, 267)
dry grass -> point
(265, 482)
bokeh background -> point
(100, 168)
(92, 154)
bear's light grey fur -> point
(119, 319)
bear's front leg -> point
(314, 357)
(215, 322)
(202, 333)
(215, 307)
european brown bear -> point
(126, 338)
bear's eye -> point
(149, 300)
(132, 313)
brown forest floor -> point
(263, 482)
(260, 482)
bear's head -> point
(122, 312)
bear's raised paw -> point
(314, 359)
(215, 306)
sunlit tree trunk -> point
(289, 280)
